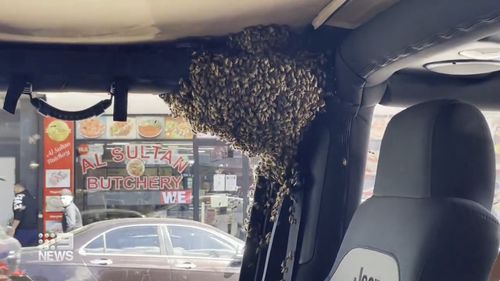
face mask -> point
(66, 200)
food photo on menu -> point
(58, 130)
(57, 178)
(92, 128)
(53, 203)
(53, 227)
(122, 130)
(177, 128)
(149, 127)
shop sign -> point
(176, 197)
(135, 157)
(146, 127)
(58, 140)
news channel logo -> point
(55, 247)
(53, 241)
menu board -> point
(121, 130)
(150, 127)
(144, 127)
(93, 128)
(58, 141)
(177, 128)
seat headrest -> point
(438, 149)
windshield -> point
(148, 187)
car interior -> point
(430, 217)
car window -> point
(96, 246)
(141, 240)
(191, 241)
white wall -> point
(7, 181)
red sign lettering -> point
(117, 155)
(143, 152)
(86, 165)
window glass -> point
(96, 246)
(225, 178)
(190, 241)
(139, 175)
(141, 240)
(493, 119)
(381, 118)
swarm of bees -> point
(259, 95)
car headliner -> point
(127, 21)
(132, 21)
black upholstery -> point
(438, 149)
(430, 212)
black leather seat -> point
(429, 218)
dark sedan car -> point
(143, 249)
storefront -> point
(19, 154)
(151, 165)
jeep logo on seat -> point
(364, 277)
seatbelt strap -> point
(297, 199)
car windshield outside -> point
(155, 199)
(147, 188)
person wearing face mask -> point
(72, 218)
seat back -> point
(429, 218)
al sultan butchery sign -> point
(135, 157)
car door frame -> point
(230, 269)
(161, 260)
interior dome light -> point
(482, 53)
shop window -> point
(146, 177)
(190, 241)
(153, 165)
(225, 178)
(138, 240)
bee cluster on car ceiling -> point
(260, 96)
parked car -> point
(183, 211)
(138, 249)
(90, 216)
(10, 255)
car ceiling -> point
(132, 21)
(129, 21)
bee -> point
(260, 100)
